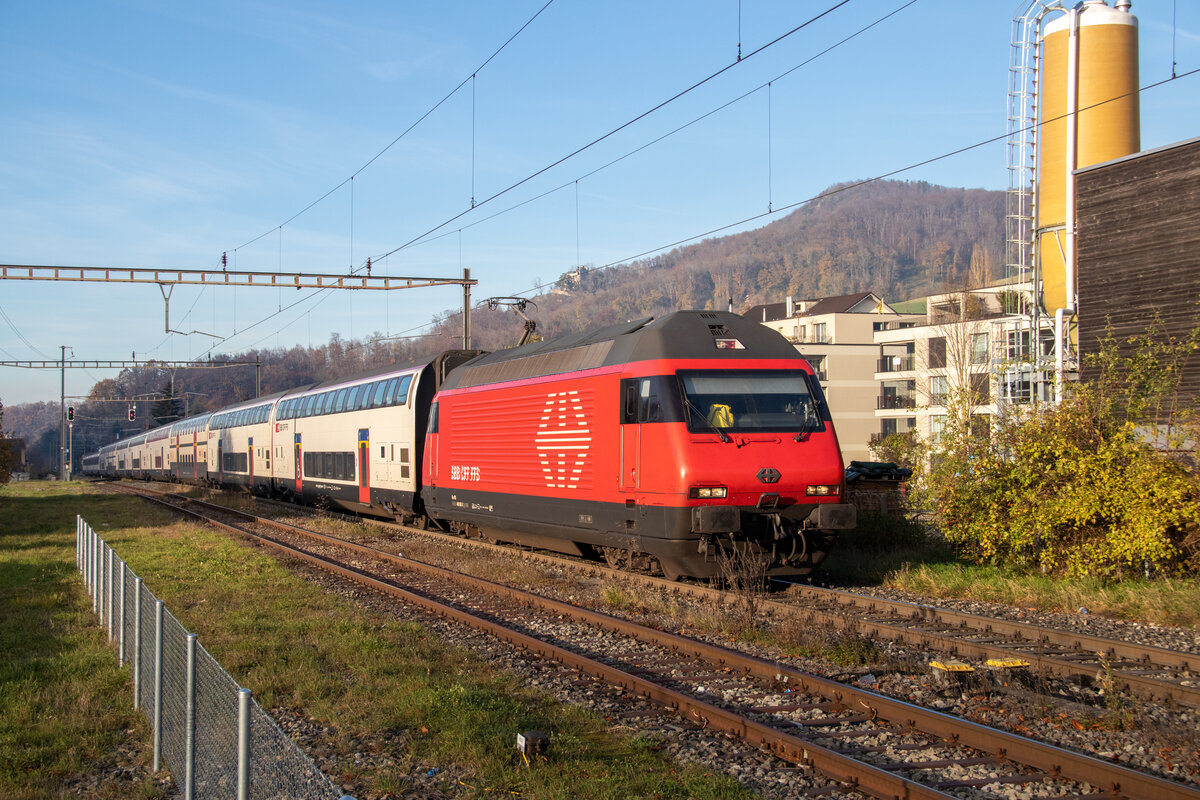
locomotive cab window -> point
(652, 399)
(751, 401)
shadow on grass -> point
(879, 547)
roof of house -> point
(860, 303)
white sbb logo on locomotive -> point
(562, 440)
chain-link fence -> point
(215, 739)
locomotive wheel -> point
(669, 570)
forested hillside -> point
(898, 239)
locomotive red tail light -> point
(823, 490)
(707, 492)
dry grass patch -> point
(1159, 601)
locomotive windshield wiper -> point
(810, 422)
(700, 414)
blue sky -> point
(147, 134)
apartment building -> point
(895, 368)
(836, 336)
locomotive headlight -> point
(707, 492)
(822, 490)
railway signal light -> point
(70, 413)
(132, 413)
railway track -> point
(1141, 670)
(858, 740)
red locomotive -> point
(685, 442)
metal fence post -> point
(95, 549)
(158, 637)
(100, 581)
(137, 642)
(189, 729)
(243, 787)
(87, 562)
(121, 620)
(110, 585)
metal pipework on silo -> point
(1089, 114)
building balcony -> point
(895, 364)
(892, 401)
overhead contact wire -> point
(621, 127)
(674, 131)
(407, 130)
(866, 181)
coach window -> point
(377, 391)
(389, 391)
(340, 403)
(364, 397)
(402, 393)
(352, 399)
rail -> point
(673, 680)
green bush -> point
(1084, 487)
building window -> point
(937, 352)
(819, 332)
(979, 348)
(939, 390)
(937, 427)
(888, 427)
(981, 389)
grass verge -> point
(878, 556)
(357, 672)
(67, 725)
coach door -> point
(364, 466)
(299, 470)
(250, 461)
(220, 461)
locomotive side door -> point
(631, 434)
(431, 447)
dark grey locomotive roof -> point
(679, 335)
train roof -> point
(679, 335)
